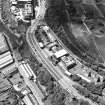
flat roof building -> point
(50, 45)
(87, 74)
(28, 101)
(69, 61)
(6, 59)
(26, 71)
(4, 84)
(11, 70)
(3, 44)
(60, 53)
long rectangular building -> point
(6, 59)
(27, 100)
(60, 53)
(3, 44)
(4, 84)
(25, 70)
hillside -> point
(66, 18)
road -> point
(55, 72)
(33, 87)
(37, 52)
(35, 90)
(65, 82)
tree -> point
(50, 87)
(76, 78)
(44, 77)
(58, 97)
(74, 101)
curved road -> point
(37, 52)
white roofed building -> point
(3, 44)
(27, 100)
(60, 53)
(26, 71)
(6, 59)
(13, 1)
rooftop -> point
(60, 53)
(6, 59)
(16, 78)
(3, 44)
(4, 84)
(87, 73)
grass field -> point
(96, 46)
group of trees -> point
(58, 96)
(44, 77)
(5, 13)
(98, 69)
(13, 98)
(54, 91)
(92, 87)
(88, 94)
(72, 11)
(35, 65)
(75, 101)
